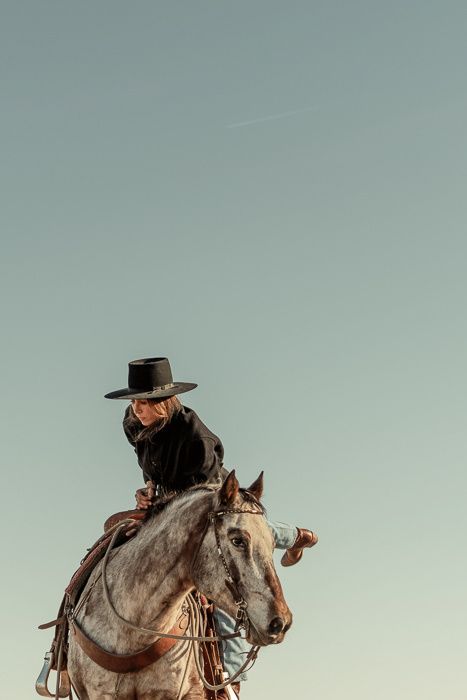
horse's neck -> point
(153, 571)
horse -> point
(212, 539)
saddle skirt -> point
(99, 548)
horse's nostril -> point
(276, 625)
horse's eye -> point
(238, 542)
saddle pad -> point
(90, 561)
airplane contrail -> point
(270, 117)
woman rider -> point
(175, 450)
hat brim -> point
(128, 393)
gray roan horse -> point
(200, 540)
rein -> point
(137, 628)
(142, 658)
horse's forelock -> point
(248, 497)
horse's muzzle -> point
(274, 633)
(278, 628)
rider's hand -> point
(145, 497)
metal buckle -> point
(41, 683)
(241, 609)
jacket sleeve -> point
(127, 430)
(203, 462)
(130, 436)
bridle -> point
(242, 619)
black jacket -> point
(182, 454)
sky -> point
(273, 196)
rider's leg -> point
(234, 651)
(283, 533)
(292, 539)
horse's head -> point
(234, 565)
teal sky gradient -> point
(274, 196)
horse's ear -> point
(229, 490)
(256, 488)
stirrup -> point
(231, 694)
(41, 683)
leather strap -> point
(52, 623)
(213, 669)
(128, 663)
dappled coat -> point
(183, 453)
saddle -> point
(56, 658)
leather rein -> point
(127, 663)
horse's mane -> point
(161, 503)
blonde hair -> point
(163, 410)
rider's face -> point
(145, 411)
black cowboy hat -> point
(150, 378)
